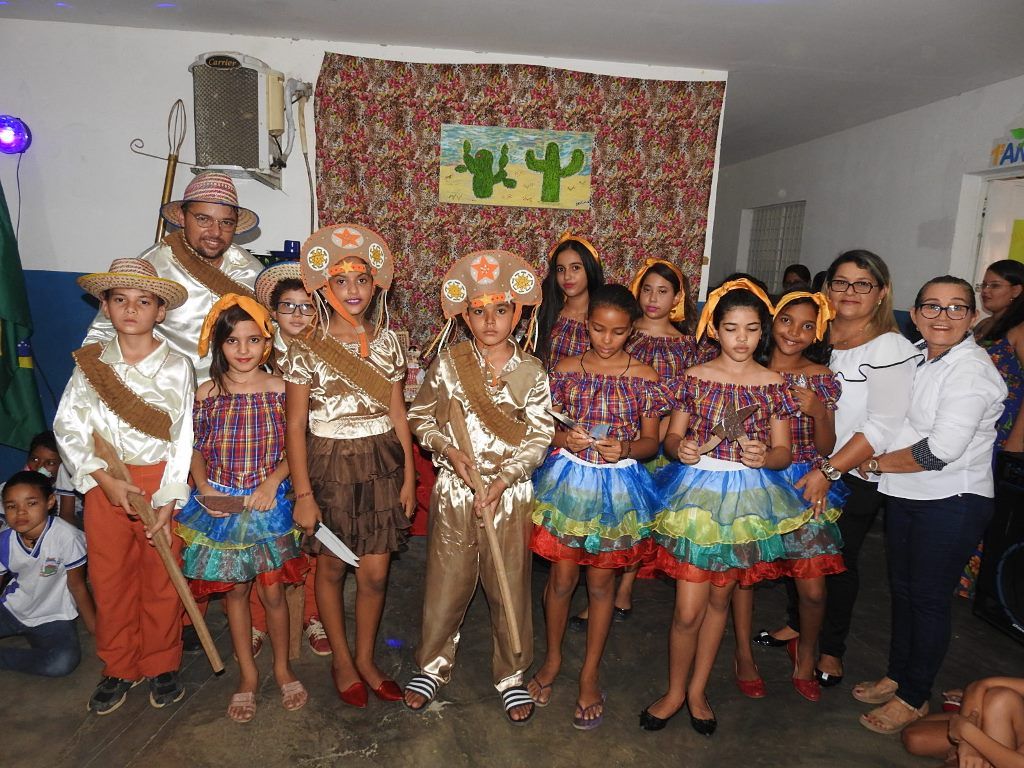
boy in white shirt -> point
(47, 591)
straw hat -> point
(268, 279)
(210, 187)
(134, 273)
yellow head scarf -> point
(716, 295)
(253, 308)
(678, 312)
(826, 312)
(567, 235)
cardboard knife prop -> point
(729, 427)
(600, 432)
(336, 546)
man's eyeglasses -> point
(288, 308)
(953, 311)
(205, 222)
(842, 286)
(982, 286)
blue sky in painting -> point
(518, 139)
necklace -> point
(845, 341)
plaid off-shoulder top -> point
(591, 399)
(569, 338)
(827, 388)
(706, 402)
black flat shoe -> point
(704, 727)
(577, 624)
(651, 722)
(621, 614)
(765, 638)
(826, 680)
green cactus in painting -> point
(482, 168)
(551, 167)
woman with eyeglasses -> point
(875, 364)
(937, 478)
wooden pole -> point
(144, 510)
(462, 441)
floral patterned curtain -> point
(378, 126)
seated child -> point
(45, 556)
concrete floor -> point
(45, 723)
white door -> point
(1004, 205)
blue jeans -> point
(928, 544)
(53, 651)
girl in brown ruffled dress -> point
(348, 441)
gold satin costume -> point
(457, 551)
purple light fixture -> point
(15, 137)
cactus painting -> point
(522, 167)
(551, 167)
(481, 166)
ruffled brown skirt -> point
(356, 484)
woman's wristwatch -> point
(831, 473)
(872, 467)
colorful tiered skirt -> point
(593, 514)
(223, 551)
(815, 548)
(722, 521)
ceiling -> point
(798, 69)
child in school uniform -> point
(348, 441)
(136, 394)
(503, 393)
(44, 556)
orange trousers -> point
(138, 613)
(259, 614)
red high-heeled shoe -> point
(809, 689)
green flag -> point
(21, 412)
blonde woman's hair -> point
(882, 319)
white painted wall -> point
(892, 186)
(86, 91)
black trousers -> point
(858, 516)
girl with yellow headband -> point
(799, 351)
(349, 442)
(725, 502)
(574, 271)
(239, 420)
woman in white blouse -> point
(875, 364)
(938, 482)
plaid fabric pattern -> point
(827, 387)
(669, 356)
(706, 402)
(591, 399)
(707, 350)
(241, 437)
(569, 338)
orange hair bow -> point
(742, 284)
(253, 308)
(826, 311)
(678, 312)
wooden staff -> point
(117, 469)
(457, 419)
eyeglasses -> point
(953, 311)
(859, 286)
(982, 286)
(205, 222)
(288, 308)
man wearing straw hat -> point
(200, 256)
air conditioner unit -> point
(239, 116)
